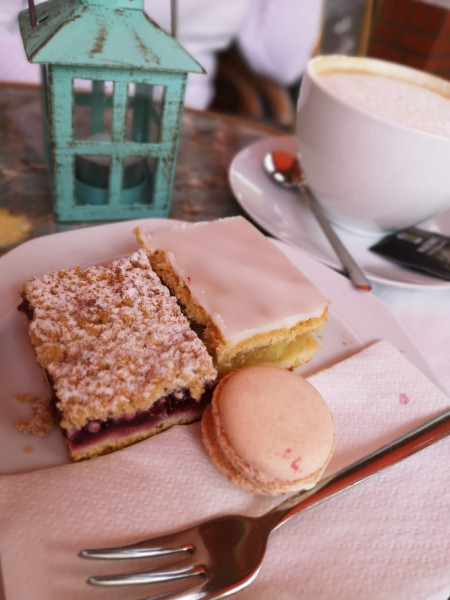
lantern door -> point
(113, 140)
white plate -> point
(282, 214)
(355, 320)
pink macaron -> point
(268, 430)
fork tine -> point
(143, 549)
(150, 575)
(162, 545)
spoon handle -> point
(352, 269)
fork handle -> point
(417, 439)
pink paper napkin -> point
(387, 538)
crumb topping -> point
(113, 340)
(42, 418)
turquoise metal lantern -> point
(113, 88)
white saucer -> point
(282, 214)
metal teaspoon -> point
(285, 170)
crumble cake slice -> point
(249, 303)
(120, 357)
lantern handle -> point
(32, 11)
(173, 18)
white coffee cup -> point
(371, 174)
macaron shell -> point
(219, 459)
(237, 478)
(274, 427)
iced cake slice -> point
(120, 357)
(248, 302)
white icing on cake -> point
(238, 277)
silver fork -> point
(219, 557)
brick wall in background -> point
(413, 33)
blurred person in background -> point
(275, 38)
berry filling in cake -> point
(180, 405)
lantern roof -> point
(101, 33)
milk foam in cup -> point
(374, 142)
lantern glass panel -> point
(145, 112)
(139, 175)
(92, 108)
(92, 178)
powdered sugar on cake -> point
(112, 337)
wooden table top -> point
(208, 143)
